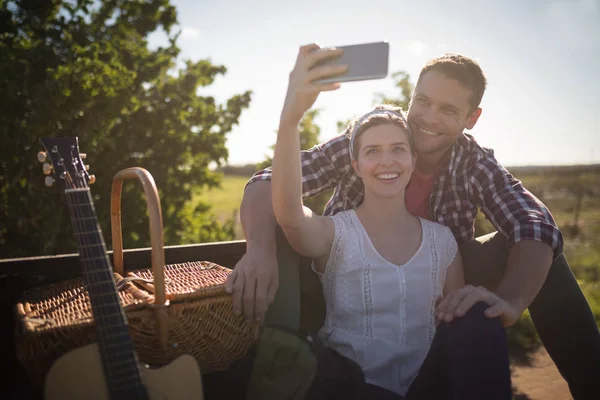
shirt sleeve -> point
(447, 251)
(512, 209)
(449, 247)
(322, 166)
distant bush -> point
(246, 170)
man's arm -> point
(322, 166)
(255, 278)
(532, 234)
(257, 217)
(527, 267)
(528, 264)
(525, 273)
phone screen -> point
(365, 61)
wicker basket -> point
(175, 310)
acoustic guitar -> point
(108, 369)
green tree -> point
(84, 68)
(403, 84)
(405, 87)
(309, 133)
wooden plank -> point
(48, 269)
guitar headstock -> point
(63, 160)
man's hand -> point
(457, 303)
(253, 283)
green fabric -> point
(285, 310)
(299, 302)
(284, 366)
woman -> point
(383, 269)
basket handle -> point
(156, 227)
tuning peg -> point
(42, 156)
(82, 156)
(49, 181)
(87, 167)
(47, 168)
(92, 179)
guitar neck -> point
(119, 360)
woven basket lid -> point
(67, 303)
(186, 281)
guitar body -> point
(78, 375)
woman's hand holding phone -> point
(302, 89)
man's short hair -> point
(461, 68)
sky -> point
(541, 59)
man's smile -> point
(427, 131)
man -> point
(522, 263)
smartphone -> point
(365, 61)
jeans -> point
(467, 360)
(560, 312)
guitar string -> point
(99, 281)
(113, 358)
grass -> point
(225, 201)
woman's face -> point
(385, 160)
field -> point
(573, 196)
(225, 201)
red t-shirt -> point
(418, 192)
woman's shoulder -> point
(348, 227)
(442, 242)
(437, 230)
(343, 215)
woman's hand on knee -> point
(457, 303)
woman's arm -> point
(308, 233)
(455, 275)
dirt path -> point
(540, 380)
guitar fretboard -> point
(118, 355)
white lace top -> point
(379, 314)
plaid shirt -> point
(473, 179)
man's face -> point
(439, 112)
